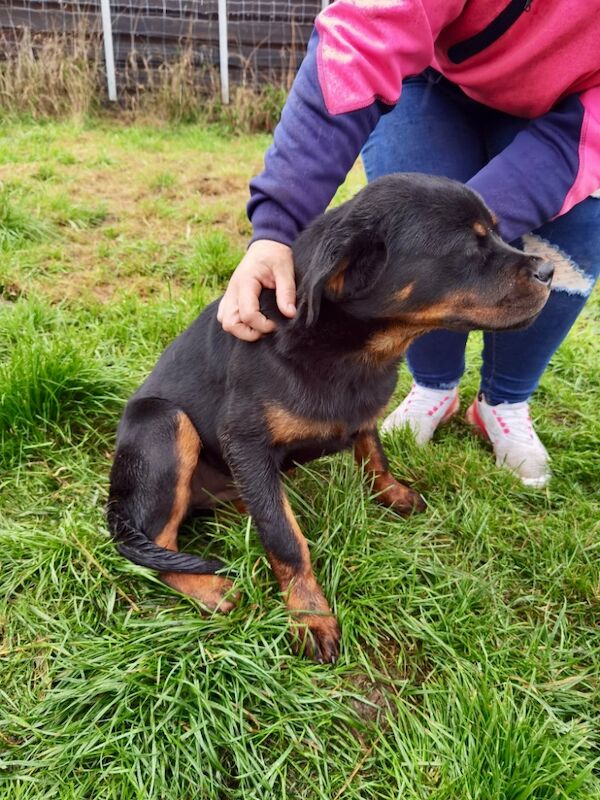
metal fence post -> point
(109, 57)
(223, 52)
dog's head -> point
(421, 251)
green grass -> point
(16, 227)
(471, 649)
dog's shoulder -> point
(200, 353)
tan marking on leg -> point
(390, 492)
(187, 452)
(208, 589)
(313, 624)
(285, 426)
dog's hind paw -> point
(213, 591)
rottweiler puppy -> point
(220, 419)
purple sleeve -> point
(311, 154)
(357, 58)
(527, 183)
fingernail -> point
(291, 308)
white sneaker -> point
(516, 445)
(422, 410)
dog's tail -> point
(140, 549)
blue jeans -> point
(437, 129)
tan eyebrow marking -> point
(494, 219)
(405, 293)
(480, 229)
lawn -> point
(471, 648)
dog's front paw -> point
(406, 501)
(400, 498)
(317, 637)
(315, 630)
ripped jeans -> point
(437, 129)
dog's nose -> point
(540, 270)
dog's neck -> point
(338, 336)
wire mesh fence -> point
(266, 39)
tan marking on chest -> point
(285, 426)
(392, 342)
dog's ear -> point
(342, 266)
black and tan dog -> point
(219, 419)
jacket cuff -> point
(271, 221)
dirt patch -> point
(216, 187)
(10, 292)
(374, 699)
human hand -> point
(266, 265)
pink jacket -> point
(538, 59)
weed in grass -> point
(158, 208)
(111, 233)
(163, 181)
(18, 227)
(66, 159)
(76, 215)
(53, 389)
(103, 160)
(214, 257)
(9, 292)
(45, 173)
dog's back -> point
(192, 373)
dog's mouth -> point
(489, 323)
(519, 324)
(510, 312)
(519, 317)
(523, 309)
(516, 307)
